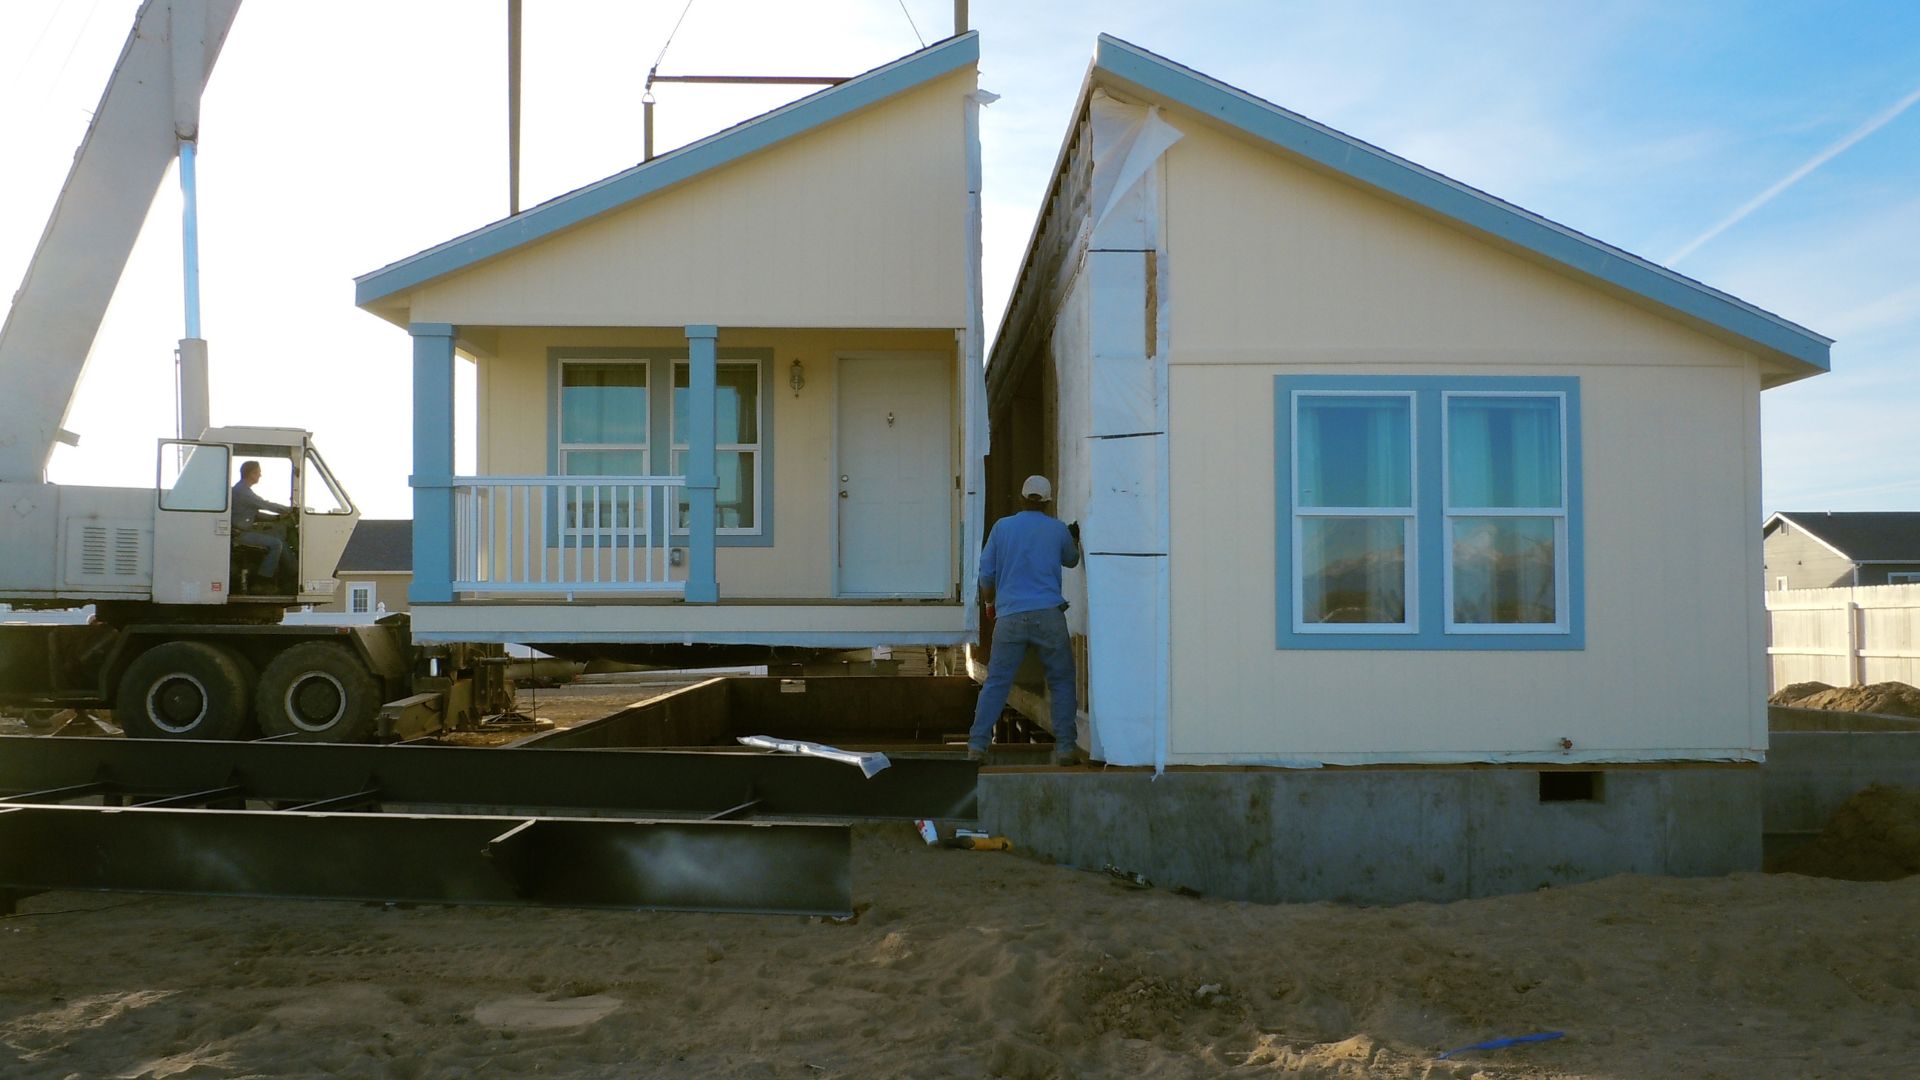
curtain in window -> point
(1355, 451)
(1503, 452)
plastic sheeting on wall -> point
(1124, 436)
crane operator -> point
(248, 510)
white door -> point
(895, 474)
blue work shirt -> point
(1022, 562)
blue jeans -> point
(1045, 630)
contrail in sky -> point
(1797, 175)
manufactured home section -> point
(1305, 274)
(855, 224)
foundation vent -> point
(1570, 786)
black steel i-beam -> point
(567, 782)
(423, 858)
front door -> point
(895, 473)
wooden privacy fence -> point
(1844, 636)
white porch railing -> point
(563, 535)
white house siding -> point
(861, 223)
(1280, 270)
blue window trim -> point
(660, 361)
(1430, 519)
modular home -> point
(1366, 462)
(730, 396)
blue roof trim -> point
(675, 167)
(1404, 180)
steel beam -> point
(567, 782)
(464, 859)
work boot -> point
(1069, 757)
(978, 757)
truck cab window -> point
(193, 476)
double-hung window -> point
(1428, 512)
(736, 435)
(603, 432)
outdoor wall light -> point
(796, 377)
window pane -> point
(733, 504)
(1503, 571)
(1355, 451)
(604, 463)
(736, 403)
(1353, 570)
(603, 403)
(1503, 452)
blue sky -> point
(339, 137)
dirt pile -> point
(1794, 693)
(1875, 836)
(1882, 698)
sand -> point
(968, 964)
(1881, 698)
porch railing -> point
(563, 535)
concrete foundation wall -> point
(1379, 836)
(1811, 773)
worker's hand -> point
(1073, 530)
(990, 609)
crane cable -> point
(910, 22)
(655, 69)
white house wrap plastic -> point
(868, 764)
(1125, 437)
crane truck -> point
(187, 639)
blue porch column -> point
(703, 477)
(432, 477)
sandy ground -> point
(967, 964)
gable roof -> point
(378, 545)
(1131, 69)
(671, 169)
(1864, 536)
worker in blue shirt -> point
(1020, 585)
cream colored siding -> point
(862, 223)
(515, 409)
(1279, 270)
(389, 588)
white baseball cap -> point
(1037, 487)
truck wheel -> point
(317, 692)
(183, 690)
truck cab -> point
(173, 546)
(205, 549)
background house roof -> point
(1863, 536)
(671, 169)
(378, 545)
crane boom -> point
(150, 110)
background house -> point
(375, 569)
(1365, 460)
(730, 396)
(1823, 549)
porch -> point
(694, 485)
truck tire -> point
(183, 690)
(317, 692)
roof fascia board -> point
(1817, 538)
(675, 167)
(1439, 195)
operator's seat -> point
(245, 560)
